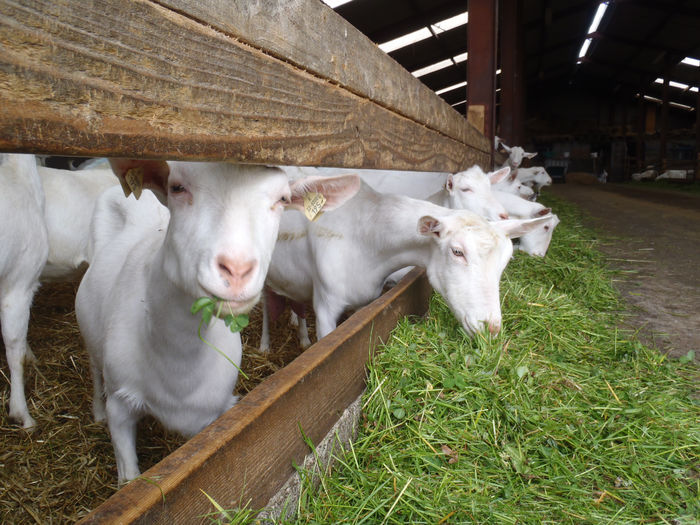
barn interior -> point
(590, 85)
(593, 87)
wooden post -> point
(512, 80)
(641, 125)
(481, 66)
(696, 173)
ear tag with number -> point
(313, 204)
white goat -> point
(536, 241)
(674, 175)
(471, 190)
(70, 201)
(516, 154)
(151, 263)
(511, 184)
(338, 262)
(648, 174)
(468, 190)
(536, 177)
(25, 248)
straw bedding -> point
(65, 467)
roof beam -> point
(535, 25)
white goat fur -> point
(70, 201)
(536, 177)
(151, 263)
(516, 154)
(25, 248)
(338, 262)
(511, 184)
(536, 241)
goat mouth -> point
(233, 306)
(238, 307)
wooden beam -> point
(481, 66)
(311, 35)
(663, 139)
(249, 452)
(174, 80)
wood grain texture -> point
(105, 78)
(248, 453)
(313, 36)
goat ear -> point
(497, 176)
(449, 182)
(335, 190)
(513, 176)
(136, 174)
(506, 148)
(518, 227)
(529, 155)
(428, 225)
(543, 212)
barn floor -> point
(653, 237)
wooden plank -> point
(247, 453)
(311, 35)
(138, 79)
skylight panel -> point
(682, 106)
(437, 66)
(584, 48)
(598, 17)
(674, 104)
(592, 29)
(423, 33)
(691, 61)
(432, 68)
(405, 40)
(335, 3)
(451, 23)
(451, 88)
(678, 85)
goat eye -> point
(465, 190)
(177, 188)
(457, 252)
(284, 199)
(546, 228)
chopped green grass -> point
(561, 418)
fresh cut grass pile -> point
(561, 418)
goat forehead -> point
(221, 177)
(477, 236)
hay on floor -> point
(66, 467)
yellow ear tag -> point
(313, 204)
(134, 179)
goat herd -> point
(221, 230)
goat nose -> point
(494, 327)
(503, 216)
(236, 269)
